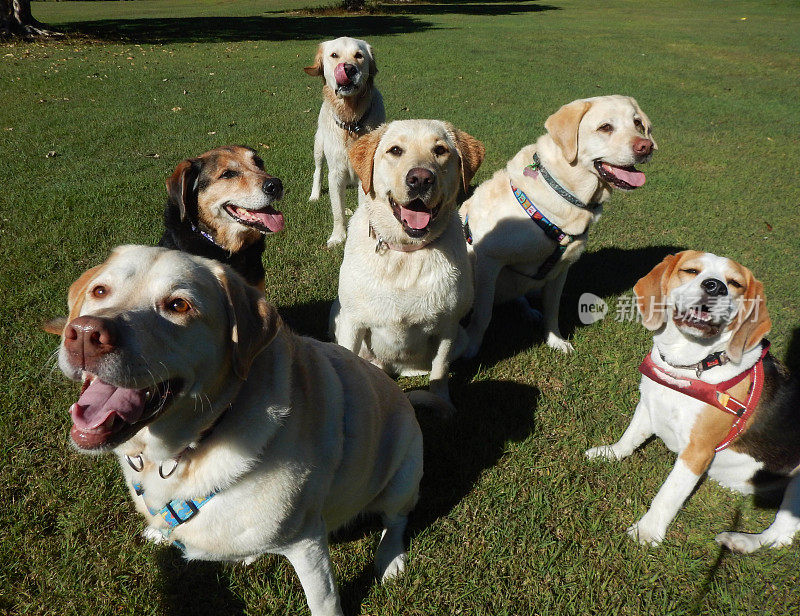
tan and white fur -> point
(295, 437)
(405, 281)
(508, 247)
(697, 304)
(357, 100)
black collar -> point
(537, 166)
(355, 127)
(720, 358)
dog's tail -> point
(423, 399)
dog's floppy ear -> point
(752, 322)
(55, 325)
(315, 70)
(648, 125)
(75, 297)
(471, 151)
(562, 126)
(182, 184)
(253, 322)
(651, 293)
(362, 156)
(373, 66)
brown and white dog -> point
(710, 318)
(221, 205)
(352, 107)
(590, 148)
(236, 437)
(405, 280)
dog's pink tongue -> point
(101, 400)
(272, 220)
(341, 76)
(415, 219)
(629, 176)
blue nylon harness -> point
(175, 512)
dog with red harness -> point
(713, 393)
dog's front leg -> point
(348, 333)
(441, 364)
(551, 301)
(637, 432)
(312, 562)
(690, 466)
(486, 272)
(319, 156)
(337, 184)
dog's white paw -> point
(606, 452)
(314, 196)
(645, 533)
(392, 569)
(336, 238)
(154, 535)
(559, 344)
(745, 543)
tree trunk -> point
(16, 20)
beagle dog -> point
(405, 280)
(236, 437)
(530, 222)
(352, 107)
(221, 205)
(713, 394)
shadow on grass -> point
(308, 319)
(455, 7)
(192, 588)
(607, 272)
(256, 28)
(457, 451)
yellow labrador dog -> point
(352, 107)
(236, 437)
(405, 281)
(529, 223)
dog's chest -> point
(672, 414)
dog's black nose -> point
(272, 187)
(351, 70)
(714, 287)
(419, 178)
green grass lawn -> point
(511, 520)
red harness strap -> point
(715, 395)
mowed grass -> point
(512, 520)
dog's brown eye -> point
(99, 291)
(334, 55)
(395, 150)
(359, 55)
(440, 150)
(178, 305)
(691, 270)
(228, 174)
(639, 125)
(735, 284)
(605, 128)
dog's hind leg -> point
(319, 157)
(781, 531)
(312, 563)
(396, 501)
